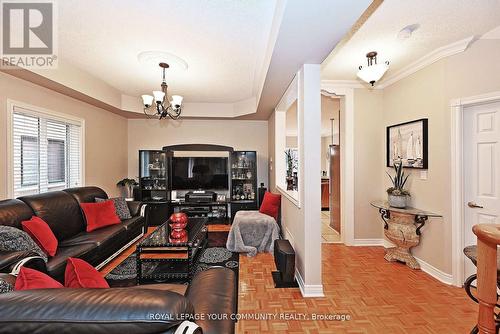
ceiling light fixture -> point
(407, 31)
(164, 106)
(373, 72)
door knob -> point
(474, 205)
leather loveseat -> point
(61, 211)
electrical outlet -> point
(423, 175)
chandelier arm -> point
(150, 115)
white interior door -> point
(481, 171)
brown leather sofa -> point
(61, 211)
(144, 309)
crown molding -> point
(342, 83)
(428, 59)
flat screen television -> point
(193, 173)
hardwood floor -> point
(380, 297)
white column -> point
(309, 116)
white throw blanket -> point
(252, 232)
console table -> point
(403, 228)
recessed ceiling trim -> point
(345, 84)
(155, 57)
(428, 59)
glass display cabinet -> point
(153, 176)
(243, 181)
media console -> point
(215, 212)
(161, 172)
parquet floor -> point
(379, 296)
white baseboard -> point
(435, 272)
(387, 244)
(368, 242)
(424, 266)
(309, 291)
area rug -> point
(215, 255)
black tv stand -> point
(216, 212)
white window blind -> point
(46, 152)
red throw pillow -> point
(271, 205)
(99, 215)
(80, 274)
(29, 279)
(41, 233)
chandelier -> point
(373, 72)
(163, 106)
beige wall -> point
(240, 134)
(105, 133)
(427, 94)
(291, 142)
(368, 162)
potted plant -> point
(397, 194)
(291, 164)
(129, 185)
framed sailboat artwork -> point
(408, 143)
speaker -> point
(284, 258)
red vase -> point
(178, 220)
(178, 234)
(178, 223)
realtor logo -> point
(28, 34)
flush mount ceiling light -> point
(373, 72)
(407, 31)
(163, 105)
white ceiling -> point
(308, 33)
(441, 22)
(224, 43)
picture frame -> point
(408, 142)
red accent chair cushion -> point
(99, 215)
(271, 205)
(41, 233)
(29, 279)
(80, 274)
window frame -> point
(45, 113)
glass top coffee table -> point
(162, 259)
